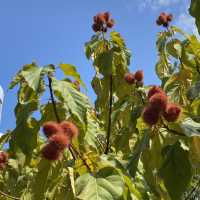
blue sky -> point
(54, 31)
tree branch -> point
(53, 100)
(109, 116)
(8, 196)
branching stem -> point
(8, 196)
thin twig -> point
(53, 100)
(8, 196)
(109, 116)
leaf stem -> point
(109, 116)
(8, 196)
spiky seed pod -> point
(139, 75)
(154, 90)
(70, 129)
(158, 102)
(3, 157)
(49, 152)
(169, 17)
(106, 16)
(50, 128)
(172, 112)
(59, 141)
(100, 19)
(96, 27)
(150, 116)
(110, 23)
(129, 78)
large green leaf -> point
(176, 170)
(107, 184)
(74, 101)
(70, 70)
(138, 149)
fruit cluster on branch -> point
(59, 137)
(164, 19)
(102, 22)
(159, 106)
(134, 78)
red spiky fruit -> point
(100, 19)
(96, 27)
(139, 75)
(154, 90)
(50, 128)
(49, 152)
(106, 16)
(158, 102)
(169, 17)
(129, 78)
(150, 115)
(59, 141)
(70, 129)
(172, 112)
(110, 23)
(3, 157)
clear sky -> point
(54, 31)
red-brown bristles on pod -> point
(50, 128)
(139, 75)
(158, 102)
(150, 115)
(154, 90)
(129, 78)
(3, 159)
(60, 141)
(172, 112)
(69, 129)
(102, 22)
(49, 152)
(164, 19)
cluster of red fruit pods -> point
(164, 19)
(102, 22)
(3, 159)
(159, 106)
(59, 137)
(136, 78)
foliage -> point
(116, 156)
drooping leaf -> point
(106, 184)
(70, 70)
(176, 170)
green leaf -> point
(107, 184)
(70, 70)
(174, 48)
(104, 62)
(117, 40)
(74, 101)
(190, 127)
(194, 91)
(176, 170)
(32, 76)
(138, 149)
